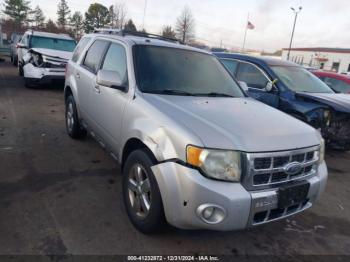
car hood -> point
(236, 123)
(339, 102)
(54, 53)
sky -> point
(323, 23)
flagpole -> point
(245, 33)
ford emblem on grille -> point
(292, 168)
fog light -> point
(211, 214)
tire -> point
(20, 69)
(73, 126)
(15, 60)
(136, 172)
(28, 83)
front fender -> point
(166, 138)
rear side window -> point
(116, 61)
(94, 55)
(338, 85)
(231, 65)
(251, 75)
(79, 49)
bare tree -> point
(117, 15)
(185, 25)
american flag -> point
(250, 25)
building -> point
(328, 59)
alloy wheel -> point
(139, 189)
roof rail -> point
(140, 34)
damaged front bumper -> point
(337, 135)
(185, 192)
(43, 75)
(40, 68)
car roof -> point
(51, 35)
(257, 59)
(332, 75)
(150, 41)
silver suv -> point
(194, 150)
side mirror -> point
(110, 79)
(19, 45)
(243, 85)
(270, 85)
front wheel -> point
(141, 193)
(20, 69)
(73, 126)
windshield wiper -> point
(215, 94)
(170, 92)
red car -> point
(338, 82)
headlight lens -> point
(37, 59)
(218, 164)
(327, 116)
(322, 151)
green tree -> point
(51, 26)
(185, 25)
(18, 10)
(97, 16)
(168, 32)
(63, 13)
(39, 17)
(130, 26)
(77, 23)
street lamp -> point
(144, 15)
(296, 12)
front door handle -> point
(97, 89)
(78, 75)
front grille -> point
(269, 169)
(269, 215)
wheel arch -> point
(132, 145)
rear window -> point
(80, 48)
(52, 43)
(94, 55)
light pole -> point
(144, 15)
(296, 12)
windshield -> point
(52, 43)
(299, 79)
(172, 71)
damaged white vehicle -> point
(42, 57)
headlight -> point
(218, 164)
(37, 59)
(322, 151)
(327, 116)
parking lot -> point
(60, 196)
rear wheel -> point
(15, 60)
(141, 193)
(73, 126)
(20, 69)
(28, 83)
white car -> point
(42, 57)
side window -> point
(115, 60)
(231, 65)
(79, 49)
(94, 55)
(25, 40)
(337, 85)
(251, 75)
